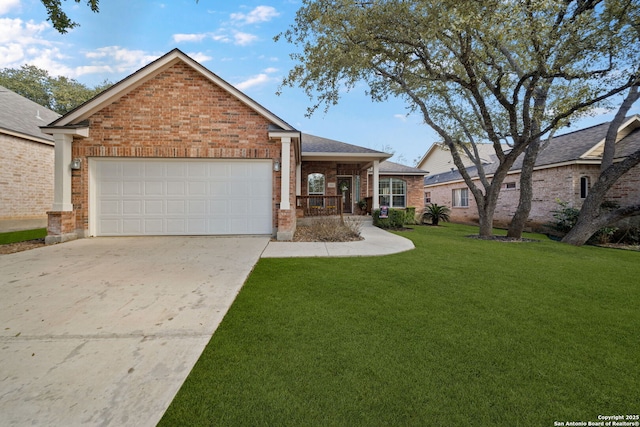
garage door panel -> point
(182, 196)
(154, 207)
(132, 170)
(132, 207)
(152, 226)
(175, 188)
(132, 226)
(197, 188)
(153, 188)
(176, 207)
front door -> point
(344, 188)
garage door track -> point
(104, 331)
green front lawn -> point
(22, 236)
(457, 332)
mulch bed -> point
(501, 239)
(11, 248)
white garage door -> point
(181, 197)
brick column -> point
(61, 227)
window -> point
(584, 187)
(393, 192)
(509, 185)
(427, 197)
(315, 187)
(461, 198)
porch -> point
(316, 205)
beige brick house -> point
(565, 170)
(26, 158)
(175, 150)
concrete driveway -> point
(104, 331)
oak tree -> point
(498, 71)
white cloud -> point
(271, 70)
(180, 38)
(200, 57)
(258, 80)
(7, 6)
(401, 117)
(118, 59)
(259, 14)
(244, 39)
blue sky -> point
(234, 40)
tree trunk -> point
(591, 219)
(520, 217)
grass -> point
(22, 236)
(456, 332)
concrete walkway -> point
(376, 242)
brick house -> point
(565, 170)
(26, 160)
(175, 150)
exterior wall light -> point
(276, 166)
(75, 163)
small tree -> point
(436, 213)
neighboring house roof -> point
(318, 148)
(437, 159)
(22, 117)
(392, 168)
(581, 146)
(120, 89)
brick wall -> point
(26, 178)
(176, 114)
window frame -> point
(585, 186)
(391, 195)
(316, 193)
(459, 202)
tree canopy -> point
(498, 71)
(60, 94)
(58, 17)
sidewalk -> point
(376, 242)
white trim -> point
(62, 175)
(376, 185)
(285, 173)
(27, 137)
(306, 156)
(620, 134)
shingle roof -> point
(317, 144)
(561, 149)
(392, 168)
(21, 115)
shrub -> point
(565, 217)
(410, 215)
(435, 213)
(328, 229)
(395, 219)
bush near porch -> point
(458, 331)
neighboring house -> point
(565, 170)
(175, 150)
(438, 158)
(26, 158)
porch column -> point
(62, 175)
(376, 184)
(299, 179)
(285, 201)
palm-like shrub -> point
(435, 213)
